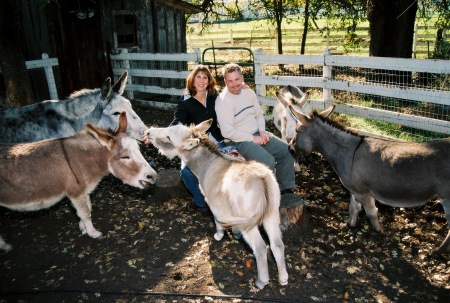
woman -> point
(197, 105)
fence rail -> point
(416, 94)
(316, 41)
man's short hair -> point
(231, 67)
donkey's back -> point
(402, 174)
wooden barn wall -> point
(83, 46)
(160, 29)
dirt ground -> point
(155, 250)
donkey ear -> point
(106, 88)
(301, 117)
(102, 137)
(281, 99)
(120, 84)
(328, 111)
(123, 123)
(303, 100)
(190, 143)
(204, 126)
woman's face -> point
(201, 81)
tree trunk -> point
(391, 25)
(12, 60)
(279, 36)
(305, 28)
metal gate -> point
(218, 60)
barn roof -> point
(187, 7)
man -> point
(242, 124)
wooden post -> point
(416, 33)
(50, 79)
(127, 66)
(327, 72)
(259, 71)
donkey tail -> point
(266, 202)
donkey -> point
(56, 119)
(283, 119)
(395, 173)
(37, 175)
(241, 194)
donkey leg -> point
(4, 246)
(368, 202)
(445, 246)
(220, 231)
(353, 211)
(258, 246)
(83, 207)
(277, 246)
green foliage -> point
(442, 50)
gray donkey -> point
(100, 107)
(241, 194)
(395, 173)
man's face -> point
(233, 82)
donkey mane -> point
(335, 124)
(83, 92)
(205, 141)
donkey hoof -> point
(96, 235)
(237, 234)
(218, 236)
(346, 227)
(283, 283)
(6, 247)
(260, 285)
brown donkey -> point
(38, 175)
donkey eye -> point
(125, 157)
(116, 114)
(168, 138)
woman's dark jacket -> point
(192, 111)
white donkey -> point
(241, 194)
(283, 119)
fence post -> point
(259, 70)
(199, 55)
(50, 79)
(327, 73)
(127, 66)
(416, 33)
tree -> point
(12, 60)
(391, 25)
(274, 11)
(441, 9)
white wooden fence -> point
(437, 97)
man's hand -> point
(145, 137)
(265, 136)
(262, 139)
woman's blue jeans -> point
(191, 183)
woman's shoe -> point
(192, 205)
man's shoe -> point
(289, 198)
(192, 205)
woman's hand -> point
(145, 136)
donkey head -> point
(113, 103)
(289, 95)
(302, 142)
(173, 140)
(125, 160)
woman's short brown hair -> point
(190, 80)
